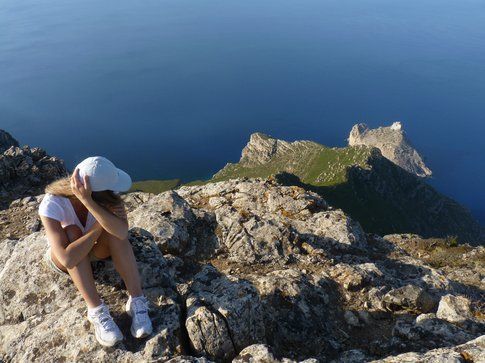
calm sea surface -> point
(174, 88)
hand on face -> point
(82, 190)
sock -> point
(96, 309)
(137, 297)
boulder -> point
(455, 309)
(410, 297)
(299, 313)
(256, 353)
(224, 314)
(173, 225)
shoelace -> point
(140, 307)
(106, 320)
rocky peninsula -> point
(377, 190)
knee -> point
(73, 232)
(112, 239)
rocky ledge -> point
(248, 270)
(24, 171)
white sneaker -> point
(105, 329)
(137, 308)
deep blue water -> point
(174, 88)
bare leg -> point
(123, 258)
(82, 273)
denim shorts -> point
(50, 263)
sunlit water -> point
(174, 88)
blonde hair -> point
(62, 188)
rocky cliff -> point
(382, 196)
(7, 141)
(393, 144)
(252, 271)
(25, 171)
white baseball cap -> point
(103, 175)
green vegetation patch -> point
(155, 186)
(313, 163)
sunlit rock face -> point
(394, 145)
(247, 270)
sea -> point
(174, 88)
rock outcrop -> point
(245, 271)
(25, 171)
(262, 148)
(363, 180)
(7, 141)
(393, 144)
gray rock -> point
(257, 353)
(455, 309)
(40, 308)
(422, 317)
(393, 144)
(7, 141)
(430, 332)
(351, 356)
(261, 148)
(25, 172)
(166, 216)
(351, 318)
(261, 222)
(133, 200)
(173, 224)
(224, 315)
(188, 359)
(253, 263)
(297, 313)
(410, 297)
(472, 351)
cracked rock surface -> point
(248, 270)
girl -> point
(85, 220)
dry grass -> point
(441, 252)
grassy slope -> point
(155, 186)
(315, 164)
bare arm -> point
(69, 254)
(114, 221)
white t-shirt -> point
(61, 209)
